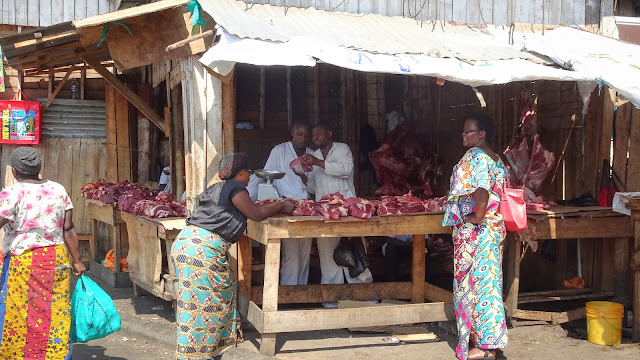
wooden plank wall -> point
(49, 12)
(499, 12)
(70, 162)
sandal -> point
(487, 355)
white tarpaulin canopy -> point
(270, 35)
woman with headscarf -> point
(35, 306)
(206, 314)
(478, 231)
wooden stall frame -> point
(269, 321)
(146, 236)
(108, 214)
(599, 223)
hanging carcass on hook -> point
(402, 163)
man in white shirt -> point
(295, 252)
(332, 172)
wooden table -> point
(110, 215)
(560, 222)
(150, 264)
(269, 321)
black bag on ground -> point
(351, 254)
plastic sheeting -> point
(301, 51)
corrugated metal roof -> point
(67, 118)
(365, 32)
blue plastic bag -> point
(93, 315)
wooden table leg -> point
(621, 265)
(244, 274)
(117, 251)
(417, 266)
(93, 240)
(512, 283)
(270, 291)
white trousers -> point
(294, 268)
(331, 272)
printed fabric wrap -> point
(206, 313)
(35, 308)
(477, 284)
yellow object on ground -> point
(604, 322)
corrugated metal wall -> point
(50, 12)
(66, 118)
(499, 12)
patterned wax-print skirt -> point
(35, 305)
(477, 287)
(207, 316)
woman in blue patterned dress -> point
(478, 231)
(206, 313)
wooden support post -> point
(122, 137)
(57, 90)
(176, 140)
(244, 273)
(512, 283)
(123, 89)
(289, 101)
(52, 78)
(636, 280)
(262, 97)
(270, 292)
(316, 96)
(417, 266)
(621, 261)
(561, 262)
(604, 152)
(112, 142)
(229, 114)
(83, 77)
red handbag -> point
(513, 208)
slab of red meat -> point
(518, 159)
(388, 205)
(159, 211)
(360, 208)
(539, 166)
(435, 204)
(304, 208)
(298, 167)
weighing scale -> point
(267, 190)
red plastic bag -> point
(513, 209)
(605, 198)
(298, 167)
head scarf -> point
(231, 164)
(26, 160)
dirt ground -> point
(526, 342)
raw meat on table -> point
(539, 166)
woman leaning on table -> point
(207, 317)
(35, 301)
(478, 231)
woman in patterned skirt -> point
(35, 304)
(206, 314)
(478, 232)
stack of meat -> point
(402, 164)
(135, 199)
(335, 206)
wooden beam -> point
(301, 294)
(573, 228)
(229, 114)
(44, 39)
(122, 88)
(437, 294)
(188, 40)
(57, 90)
(541, 299)
(307, 320)
(262, 96)
(566, 316)
(83, 77)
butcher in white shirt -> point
(332, 172)
(295, 252)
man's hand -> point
(309, 160)
(303, 177)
